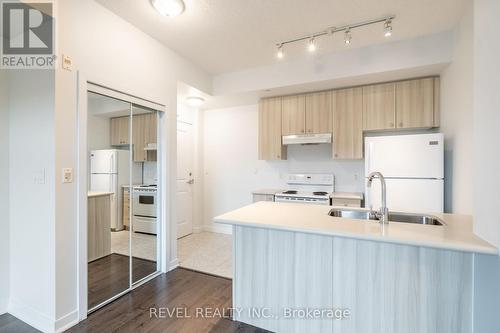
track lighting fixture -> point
(388, 28)
(311, 45)
(347, 36)
(279, 53)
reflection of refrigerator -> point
(413, 167)
(109, 171)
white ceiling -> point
(228, 35)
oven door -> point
(144, 203)
(144, 224)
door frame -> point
(81, 175)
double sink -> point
(393, 216)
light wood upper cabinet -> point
(293, 114)
(319, 112)
(379, 106)
(120, 131)
(270, 120)
(144, 132)
(139, 137)
(415, 103)
(348, 123)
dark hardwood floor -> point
(182, 288)
(10, 324)
(108, 276)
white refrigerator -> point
(109, 171)
(413, 167)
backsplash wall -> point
(231, 169)
(150, 173)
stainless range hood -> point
(307, 139)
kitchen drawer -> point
(346, 202)
(263, 197)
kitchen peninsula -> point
(297, 257)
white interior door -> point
(185, 178)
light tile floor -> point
(143, 245)
(207, 252)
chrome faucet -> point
(383, 214)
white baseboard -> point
(31, 316)
(67, 321)
(173, 264)
(219, 228)
(4, 303)
(197, 229)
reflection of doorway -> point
(185, 178)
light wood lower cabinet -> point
(98, 227)
(126, 207)
(347, 123)
(293, 114)
(319, 112)
(270, 147)
(379, 106)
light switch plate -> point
(67, 63)
(67, 175)
(39, 177)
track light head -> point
(280, 54)
(388, 28)
(312, 45)
(347, 36)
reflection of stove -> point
(307, 188)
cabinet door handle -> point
(391, 124)
(278, 156)
(400, 124)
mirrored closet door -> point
(123, 205)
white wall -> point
(486, 124)
(456, 119)
(99, 132)
(374, 61)
(232, 169)
(4, 192)
(109, 51)
(486, 119)
(32, 197)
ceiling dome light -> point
(388, 28)
(280, 54)
(169, 8)
(311, 46)
(347, 36)
(195, 101)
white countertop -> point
(92, 194)
(456, 235)
(267, 191)
(347, 195)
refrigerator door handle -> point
(111, 163)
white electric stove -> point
(308, 188)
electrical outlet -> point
(67, 175)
